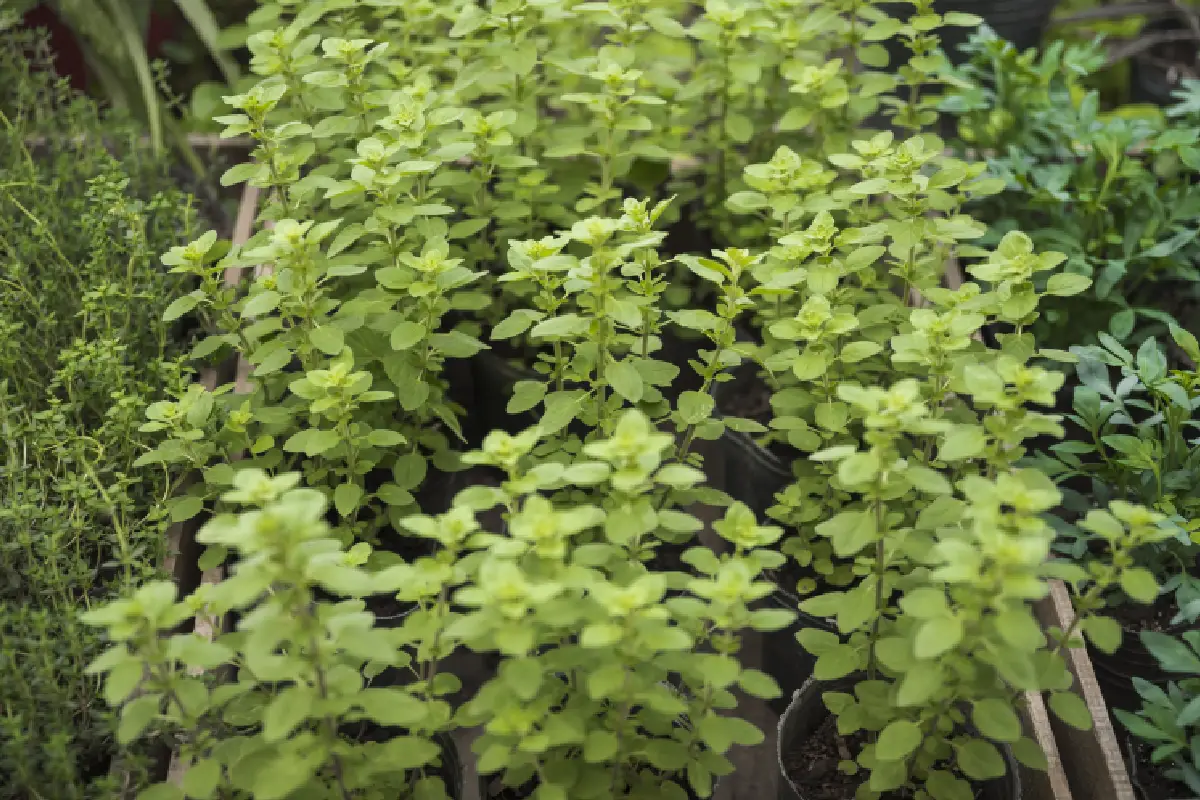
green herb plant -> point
(1112, 192)
(84, 354)
(609, 684)
(1137, 442)
(1166, 721)
(445, 180)
(309, 708)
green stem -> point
(880, 574)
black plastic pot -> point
(493, 378)
(807, 711)
(1151, 74)
(1021, 22)
(752, 473)
(783, 658)
(1115, 671)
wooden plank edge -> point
(1051, 783)
(182, 536)
(1092, 759)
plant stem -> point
(880, 573)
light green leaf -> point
(925, 602)
(721, 732)
(311, 442)
(280, 777)
(937, 636)
(1139, 583)
(899, 739)
(184, 508)
(1065, 284)
(996, 720)
(1104, 632)
(943, 785)
(927, 480)
(260, 303)
(857, 351)
(695, 407)
(1020, 630)
(561, 408)
(980, 760)
(759, 684)
(381, 437)
(161, 791)
(328, 339)
(849, 531)
(809, 365)
(746, 202)
(201, 779)
(287, 710)
(837, 662)
(1172, 654)
(517, 323)
(966, 441)
(859, 469)
(136, 715)
(1071, 709)
(406, 334)
(180, 306)
(1187, 343)
(600, 635)
(393, 495)
(625, 380)
(526, 395)
(346, 497)
(919, 685)
(1030, 753)
(564, 325)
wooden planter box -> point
(1091, 759)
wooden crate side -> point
(1051, 783)
(1091, 759)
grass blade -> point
(201, 18)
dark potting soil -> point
(812, 765)
(1148, 779)
(493, 788)
(1135, 618)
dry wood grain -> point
(1092, 759)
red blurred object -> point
(68, 55)
(161, 29)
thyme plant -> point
(84, 352)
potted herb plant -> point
(302, 710)
(85, 353)
(1138, 443)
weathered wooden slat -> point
(1091, 759)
